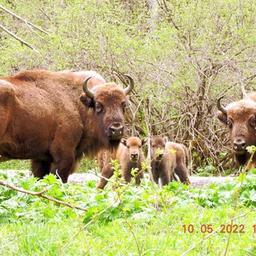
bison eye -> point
(124, 105)
(229, 124)
(252, 121)
(98, 107)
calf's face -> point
(157, 147)
(133, 145)
(240, 117)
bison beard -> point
(44, 117)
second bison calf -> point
(129, 155)
(168, 159)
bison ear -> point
(144, 141)
(222, 117)
(123, 141)
(88, 102)
(165, 139)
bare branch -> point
(41, 194)
(18, 38)
(25, 21)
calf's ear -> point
(144, 141)
(165, 138)
(123, 141)
(222, 117)
(88, 102)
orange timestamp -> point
(223, 228)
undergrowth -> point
(122, 215)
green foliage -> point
(114, 213)
(195, 51)
(15, 165)
(206, 171)
(85, 165)
(251, 149)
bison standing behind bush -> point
(44, 117)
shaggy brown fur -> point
(167, 159)
(240, 117)
(42, 118)
(129, 155)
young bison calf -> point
(129, 155)
(167, 159)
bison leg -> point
(182, 173)
(63, 151)
(106, 172)
(63, 162)
(155, 177)
(174, 177)
(63, 167)
(165, 179)
(40, 168)
(138, 178)
(127, 176)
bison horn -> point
(220, 106)
(129, 88)
(87, 91)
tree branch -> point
(41, 194)
(25, 21)
(18, 38)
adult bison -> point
(240, 117)
(45, 118)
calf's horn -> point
(220, 106)
(87, 91)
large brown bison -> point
(45, 118)
(168, 159)
(240, 117)
(130, 157)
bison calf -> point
(167, 159)
(130, 157)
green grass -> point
(15, 165)
(84, 165)
(161, 235)
(126, 220)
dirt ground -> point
(195, 180)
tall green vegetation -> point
(127, 220)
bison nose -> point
(134, 156)
(116, 131)
(160, 156)
(239, 144)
